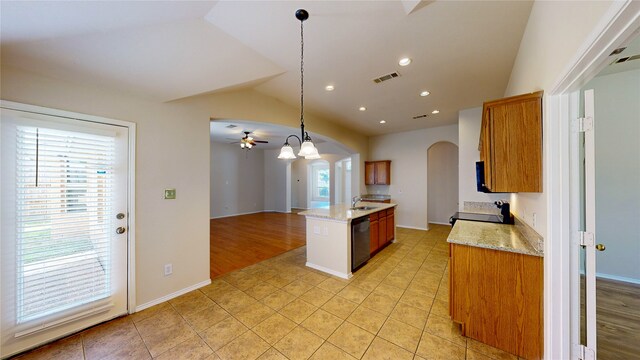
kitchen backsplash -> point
(481, 207)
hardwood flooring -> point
(239, 241)
(617, 319)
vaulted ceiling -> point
(461, 52)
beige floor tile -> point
(280, 281)
(329, 351)
(116, 338)
(247, 346)
(193, 348)
(300, 343)
(217, 289)
(317, 296)
(254, 314)
(490, 351)
(340, 307)
(436, 348)
(322, 323)
(366, 283)
(351, 339)
(68, 348)
(245, 282)
(278, 299)
(417, 299)
(206, 318)
(298, 310)
(445, 328)
(235, 301)
(161, 339)
(380, 303)
(165, 318)
(274, 328)
(440, 308)
(149, 312)
(410, 315)
(474, 355)
(261, 290)
(381, 349)
(367, 319)
(332, 285)
(354, 294)
(401, 334)
(223, 333)
(297, 287)
(192, 301)
(314, 278)
(272, 354)
(426, 288)
(389, 291)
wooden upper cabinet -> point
(377, 172)
(511, 143)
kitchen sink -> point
(363, 208)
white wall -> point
(442, 182)
(277, 182)
(237, 180)
(617, 130)
(469, 123)
(408, 154)
(555, 32)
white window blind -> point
(63, 220)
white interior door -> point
(64, 226)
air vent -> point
(420, 116)
(617, 51)
(626, 58)
(231, 126)
(386, 77)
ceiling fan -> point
(247, 142)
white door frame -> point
(618, 25)
(131, 181)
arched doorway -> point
(442, 182)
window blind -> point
(63, 220)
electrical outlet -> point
(169, 194)
(168, 269)
(533, 220)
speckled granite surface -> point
(481, 207)
(365, 197)
(491, 236)
(342, 212)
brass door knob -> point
(601, 247)
(120, 230)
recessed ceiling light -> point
(424, 93)
(435, 112)
(362, 108)
(329, 87)
(382, 122)
(404, 61)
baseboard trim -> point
(238, 214)
(413, 227)
(172, 295)
(329, 271)
(618, 278)
(439, 223)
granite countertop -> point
(342, 212)
(491, 236)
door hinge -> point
(584, 353)
(583, 124)
(586, 238)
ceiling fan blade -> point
(261, 141)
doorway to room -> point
(442, 182)
(318, 175)
(343, 181)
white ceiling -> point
(274, 134)
(462, 52)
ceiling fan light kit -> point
(307, 148)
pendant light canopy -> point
(307, 148)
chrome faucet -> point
(355, 200)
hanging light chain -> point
(302, 74)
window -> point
(320, 182)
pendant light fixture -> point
(307, 149)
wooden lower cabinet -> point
(497, 297)
(381, 229)
(382, 234)
(391, 226)
(373, 233)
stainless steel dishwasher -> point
(359, 242)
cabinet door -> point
(373, 236)
(390, 228)
(485, 147)
(369, 173)
(383, 172)
(382, 233)
(515, 146)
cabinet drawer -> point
(374, 216)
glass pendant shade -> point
(307, 149)
(242, 145)
(286, 153)
(314, 155)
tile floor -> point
(395, 307)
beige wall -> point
(172, 151)
(442, 182)
(555, 32)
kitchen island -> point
(329, 240)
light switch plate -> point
(169, 194)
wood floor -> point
(239, 241)
(617, 320)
